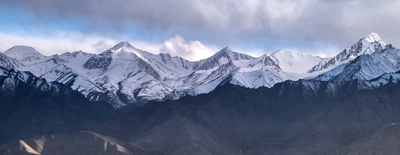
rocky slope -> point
(289, 118)
(82, 142)
(232, 120)
(32, 106)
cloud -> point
(57, 44)
(61, 43)
(191, 50)
(268, 24)
(103, 45)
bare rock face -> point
(83, 142)
(286, 119)
(31, 106)
(384, 140)
(101, 61)
(289, 118)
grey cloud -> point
(338, 22)
(103, 45)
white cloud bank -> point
(177, 46)
(191, 50)
(57, 44)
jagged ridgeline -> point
(129, 101)
(124, 75)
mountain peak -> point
(21, 50)
(25, 54)
(22, 46)
(227, 48)
(222, 57)
(373, 37)
(292, 62)
(122, 45)
(283, 52)
(228, 53)
(123, 48)
(367, 45)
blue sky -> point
(197, 29)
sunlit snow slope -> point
(125, 75)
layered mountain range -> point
(289, 118)
(124, 75)
(129, 101)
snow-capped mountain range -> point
(125, 75)
(367, 45)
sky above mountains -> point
(197, 29)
